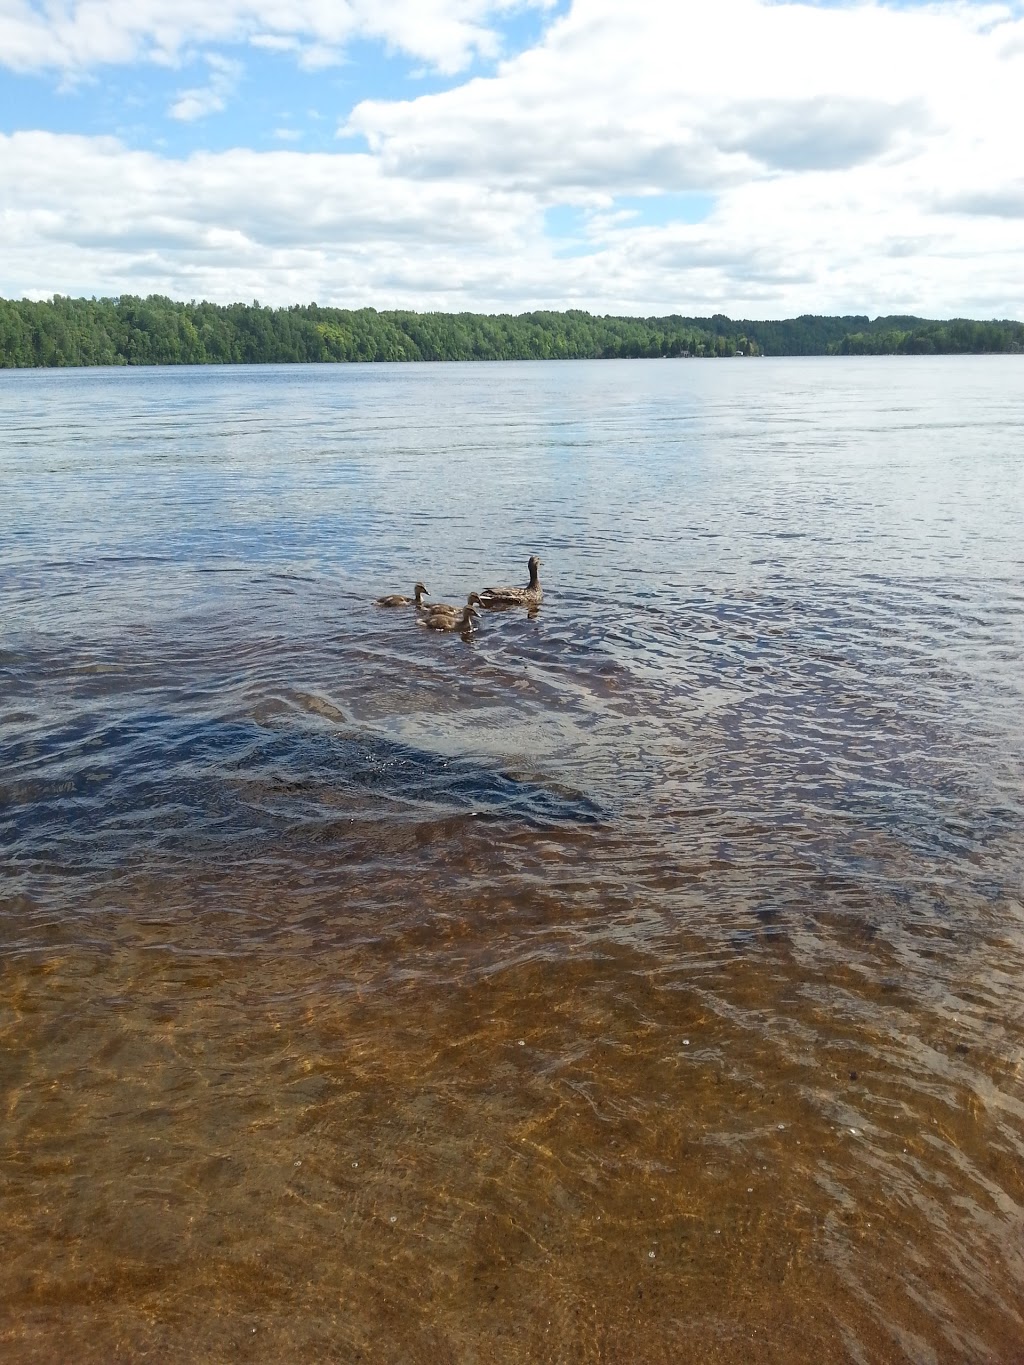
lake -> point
(639, 979)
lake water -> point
(639, 980)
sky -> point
(757, 158)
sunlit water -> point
(639, 981)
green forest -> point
(159, 331)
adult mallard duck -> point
(445, 621)
(511, 597)
(397, 600)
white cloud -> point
(212, 97)
(274, 42)
(677, 94)
(88, 214)
(81, 34)
(855, 159)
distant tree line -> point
(912, 336)
(160, 331)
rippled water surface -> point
(639, 980)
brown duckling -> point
(511, 597)
(444, 621)
(446, 609)
(397, 600)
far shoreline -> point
(131, 332)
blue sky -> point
(757, 157)
(264, 92)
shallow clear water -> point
(641, 979)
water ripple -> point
(671, 937)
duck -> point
(510, 597)
(446, 609)
(397, 600)
(445, 621)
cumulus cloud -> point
(90, 216)
(87, 213)
(823, 133)
(1005, 201)
(676, 94)
(857, 158)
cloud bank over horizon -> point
(758, 158)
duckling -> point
(446, 609)
(397, 600)
(444, 621)
(523, 597)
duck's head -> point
(475, 600)
(422, 589)
(534, 563)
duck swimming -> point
(510, 597)
(451, 621)
(397, 600)
(446, 609)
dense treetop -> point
(159, 331)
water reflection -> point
(636, 980)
